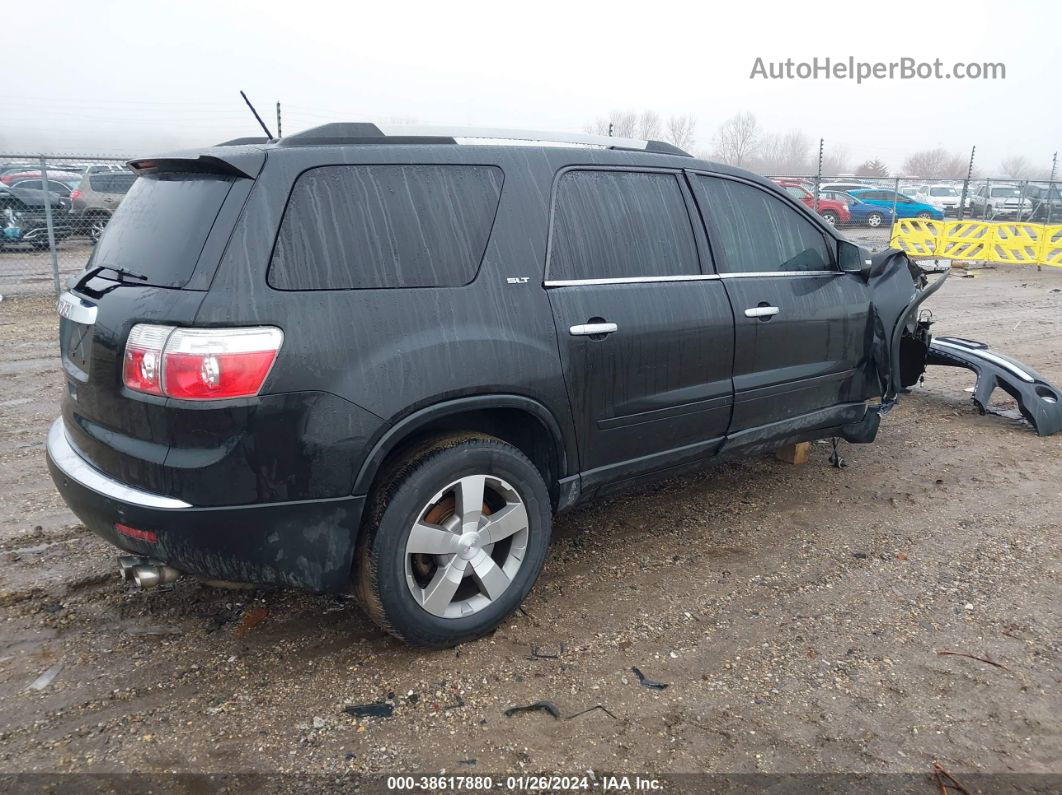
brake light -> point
(200, 364)
(75, 194)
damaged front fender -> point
(901, 347)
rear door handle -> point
(761, 311)
(592, 329)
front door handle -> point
(763, 312)
(592, 329)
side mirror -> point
(853, 259)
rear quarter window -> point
(385, 226)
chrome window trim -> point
(689, 278)
(752, 274)
(73, 308)
(699, 277)
(70, 463)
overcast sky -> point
(131, 77)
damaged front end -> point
(902, 346)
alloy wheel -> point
(466, 546)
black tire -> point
(395, 506)
(830, 217)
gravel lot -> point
(798, 613)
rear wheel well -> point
(522, 429)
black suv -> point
(386, 359)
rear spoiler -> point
(241, 162)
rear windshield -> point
(160, 227)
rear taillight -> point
(75, 194)
(199, 364)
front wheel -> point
(875, 220)
(454, 537)
(925, 215)
(830, 217)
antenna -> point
(269, 135)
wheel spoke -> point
(470, 501)
(430, 540)
(510, 519)
(489, 575)
(443, 586)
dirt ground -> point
(798, 614)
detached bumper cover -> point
(306, 544)
(1039, 401)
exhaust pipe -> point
(126, 564)
(151, 576)
(145, 572)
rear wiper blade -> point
(122, 274)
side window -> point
(384, 226)
(620, 225)
(795, 192)
(758, 232)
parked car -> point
(398, 393)
(833, 212)
(96, 198)
(945, 198)
(862, 214)
(991, 201)
(844, 187)
(24, 219)
(12, 177)
(866, 214)
(1046, 203)
(905, 206)
(55, 186)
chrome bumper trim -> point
(67, 460)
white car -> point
(945, 198)
(1004, 200)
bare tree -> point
(927, 163)
(649, 125)
(784, 154)
(1015, 167)
(621, 124)
(736, 140)
(681, 131)
(935, 163)
(872, 168)
(835, 161)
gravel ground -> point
(798, 614)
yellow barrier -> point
(916, 236)
(966, 240)
(1007, 242)
(1051, 246)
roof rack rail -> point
(339, 133)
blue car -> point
(906, 207)
(863, 214)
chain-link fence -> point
(864, 208)
(52, 211)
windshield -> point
(161, 226)
(1006, 192)
(943, 192)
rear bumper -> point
(306, 544)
